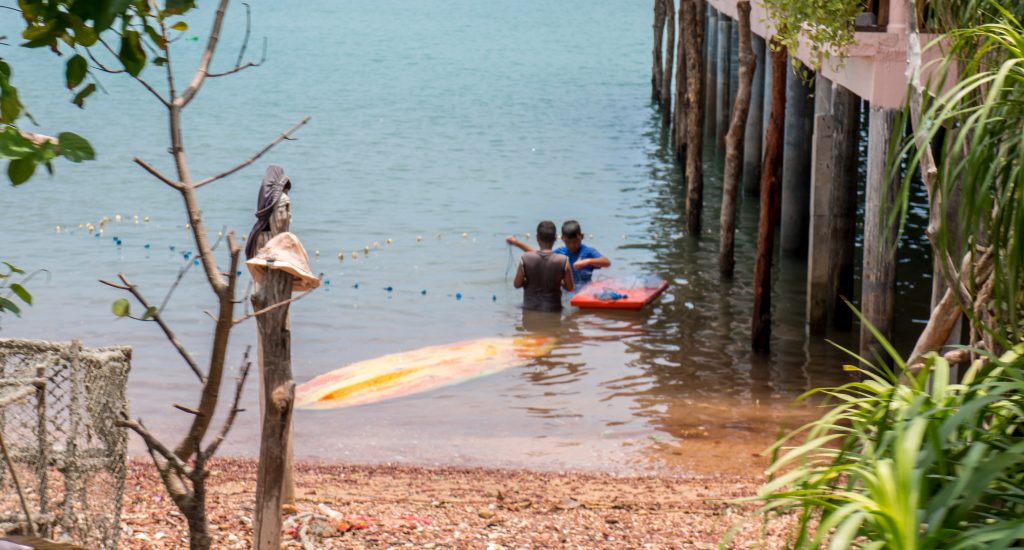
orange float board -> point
(636, 297)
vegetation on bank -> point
(908, 456)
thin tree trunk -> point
(771, 179)
(693, 16)
(659, 36)
(734, 144)
(666, 74)
(679, 113)
(278, 396)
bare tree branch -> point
(279, 139)
(204, 62)
(183, 408)
(241, 52)
(156, 173)
(138, 79)
(159, 321)
(154, 444)
(268, 309)
(234, 410)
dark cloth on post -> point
(273, 185)
(544, 271)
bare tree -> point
(734, 145)
(183, 468)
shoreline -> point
(384, 506)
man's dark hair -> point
(571, 229)
(546, 232)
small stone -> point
(289, 509)
(486, 514)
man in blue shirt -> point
(582, 258)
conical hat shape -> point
(286, 253)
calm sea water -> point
(460, 122)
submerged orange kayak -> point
(618, 294)
(419, 370)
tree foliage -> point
(824, 26)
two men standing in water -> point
(542, 274)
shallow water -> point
(460, 123)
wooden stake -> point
(755, 123)
(278, 397)
(679, 114)
(761, 325)
(692, 16)
(734, 143)
(666, 73)
(659, 35)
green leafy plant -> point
(909, 461)
(979, 121)
(824, 26)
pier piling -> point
(878, 288)
(722, 77)
(833, 206)
(796, 166)
(755, 122)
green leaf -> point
(14, 269)
(132, 56)
(7, 305)
(75, 71)
(180, 26)
(150, 311)
(14, 146)
(178, 7)
(84, 93)
(159, 61)
(74, 147)
(110, 10)
(158, 40)
(20, 291)
(20, 170)
(121, 307)
(10, 105)
(84, 34)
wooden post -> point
(761, 325)
(692, 15)
(833, 205)
(878, 287)
(666, 73)
(755, 123)
(679, 113)
(796, 166)
(734, 143)
(711, 73)
(768, 79)
(722, 80)
(278, 397)
(659, 35)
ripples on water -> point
(432, 120)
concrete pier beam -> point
(710, 74)
(878, 286)
(752, 138)
(833, 206)
(796, 166)
(722, 77)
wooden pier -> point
(814, 209)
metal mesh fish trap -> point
(59, 407)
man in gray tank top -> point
(542, 274)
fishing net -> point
(59, 404)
